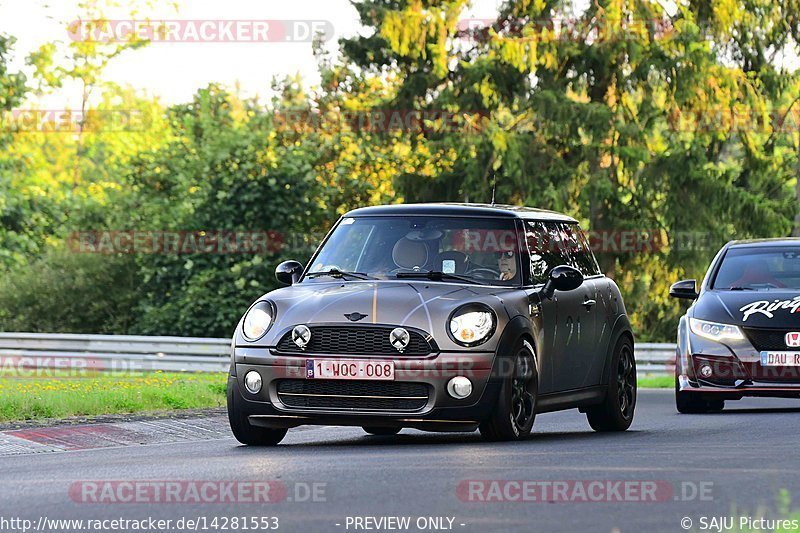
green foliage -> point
(612, 119)
(66, 292)
(226, 169)
(15, 240)
(632, 117)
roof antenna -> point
(494, 185)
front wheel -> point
(512, 418)
(241, 427)
(616, 412)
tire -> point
(691, 403)
(381, 431)
(513, 416)
(617, 410)
(241, 428)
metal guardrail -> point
(656, 358)
(182, 354)
(113, 352)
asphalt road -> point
(729, 464)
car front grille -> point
(355, 340)
(353, 395)
(772, 374)
(767, 339)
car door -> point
(550, 341)
(586, 359)
(573, 323)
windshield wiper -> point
(436, 276)
(741, 289)
(336, 273)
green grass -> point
(34, 397)
(656, 382)
(61, 396)
(784, 519)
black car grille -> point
(348, 340)
(767, 339)
(353, 395)
(774, 374)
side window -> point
(578, 249)
(559, 244)
(546, 249)
(593, 267)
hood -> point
(424, 305)
(757, 309)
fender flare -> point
(519, 327)
(622, 326)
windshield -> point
(762, 268)
(481, 249)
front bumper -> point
(738, 389)
(733, 370)
(438, 412)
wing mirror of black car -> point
(562, 278)
(684, 289)
(289, 272)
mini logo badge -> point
(793, 339)
(399, 338)
(354, 316)
(301, 336)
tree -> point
(82, 60)
(620, 113)
(14, 212)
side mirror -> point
(684, 289)
(289, 272)
(562, 278)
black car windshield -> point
(423, 247)
(760, 268)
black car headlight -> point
(257, 320)
(472, 324)
(715, 331)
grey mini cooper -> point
(440, 317)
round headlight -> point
(257, 321)
(472, 325)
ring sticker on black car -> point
(766, 307)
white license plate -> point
(349, 369)
(780, 358)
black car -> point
(741, 336)
(442, 317)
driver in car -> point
(507, 265)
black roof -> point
(464, 210)
(754, 243)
